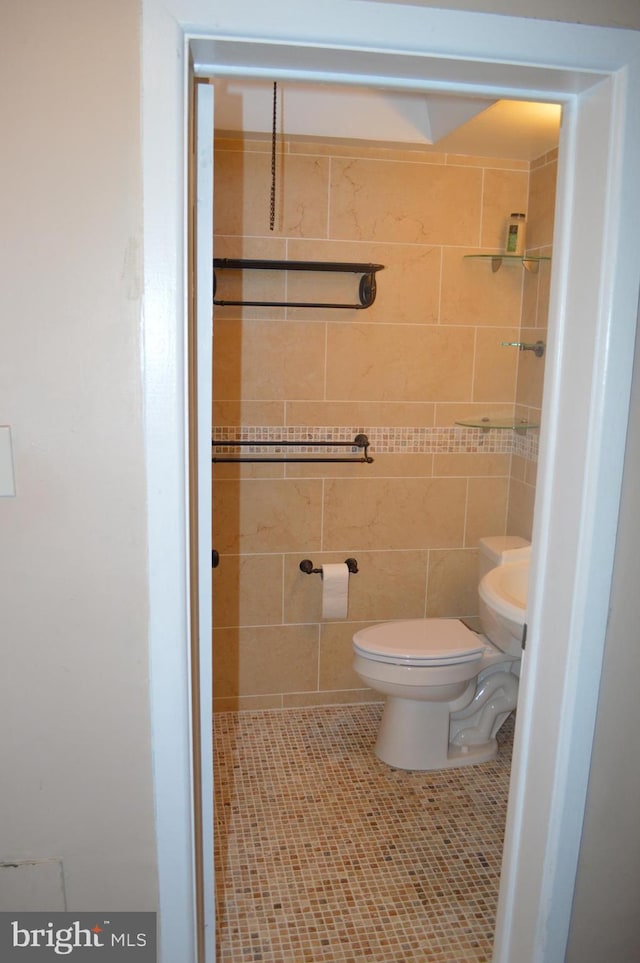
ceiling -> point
(508, 128)
(438, 122)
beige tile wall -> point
(427, 352)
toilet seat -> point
(420, 642)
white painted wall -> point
(74, 710)
(604, 922)
(602, 13)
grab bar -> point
(360, 441)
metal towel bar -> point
(360, 441)
(366, 290)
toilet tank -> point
(497, 549)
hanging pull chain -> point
(272, 213)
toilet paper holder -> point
(306, 566)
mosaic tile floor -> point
(326, 854)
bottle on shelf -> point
(516, 229)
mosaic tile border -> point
(387, 441)
(526, 445)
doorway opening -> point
(434, 215)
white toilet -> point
(448, 688)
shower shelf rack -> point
(366, 290)
(360, 441)
(530, 262)
(513, 424)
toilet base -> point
(415, 735)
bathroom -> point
(425, 355)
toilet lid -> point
(420, 642)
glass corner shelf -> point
(513, 424)
(530, 262)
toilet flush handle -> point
(537, 348)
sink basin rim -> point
(504, 591)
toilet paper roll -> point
(335, 591)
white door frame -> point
(201, 366)
(593, 303)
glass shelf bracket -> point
(530, 262)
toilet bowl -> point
(448, 688)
